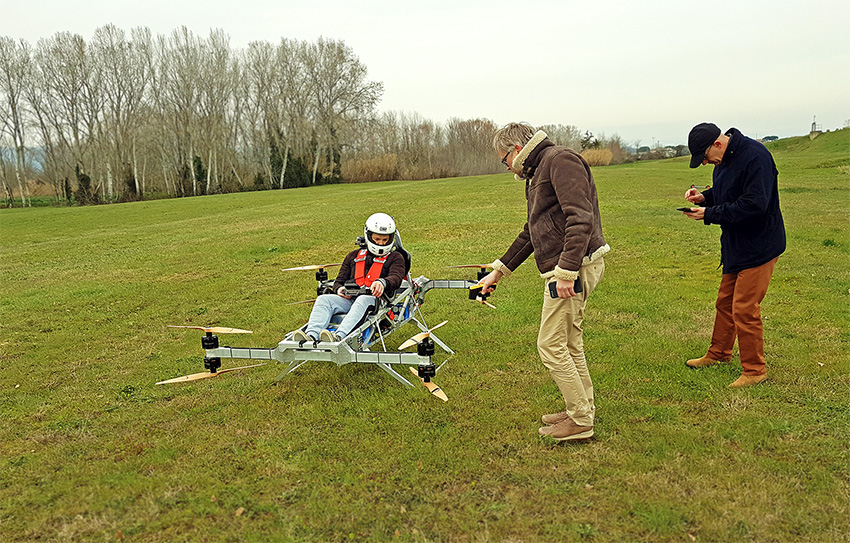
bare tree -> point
(123, 83)
(14, 77)
(566, 135)
(152, 54)
(193, 115)
(470, 146)
(180, 78)
(341, 96)
(69, 105)
(216, 82)
(294, 101)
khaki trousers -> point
(561, 346)
(739, 315)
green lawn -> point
(92, 450)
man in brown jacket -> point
(564, 231)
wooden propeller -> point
(419, 337)
(204, 375)
(431, 386)
(314, 267)
(215, 329)
(302, 302)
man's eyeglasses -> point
(505, 158)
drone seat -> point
(400, 249)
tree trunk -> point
(20, 185)
(192, 169)
(235, 173)
(7, 193)
(20, 174)
(316, 162)
(209, 170)
(216, 176)
(283, 167)
(109, 179)
(136, 171)
(165, 180)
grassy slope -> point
(90, 447)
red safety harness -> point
(360, 276)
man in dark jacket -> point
(744, 201)
(564, 231)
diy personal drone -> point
(390, 314)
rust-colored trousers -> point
(739, 315)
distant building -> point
(817, 129)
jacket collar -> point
(735, 141)
(527, 159)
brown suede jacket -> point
(564, 228)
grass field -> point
(92, 450)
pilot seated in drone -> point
(376, 265)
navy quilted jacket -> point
(744, 201)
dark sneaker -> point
(566, 430)
(554, 418)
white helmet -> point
(379, 223)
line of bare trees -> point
(125, 117)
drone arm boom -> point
(429, 284)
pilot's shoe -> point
(702, 362)
(748, 380)
(567, 430)
(327, 336)
(554, 418)
(300, 336)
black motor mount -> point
(425, 347)
(209, 341)
(212, 363)
(426, 372)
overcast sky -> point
(647, 70)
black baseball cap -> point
(700, 137)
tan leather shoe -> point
(748, 380)
(702, 362)
(554, 418)
(566, 430)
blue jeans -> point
(328, 305)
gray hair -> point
(512, 134)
